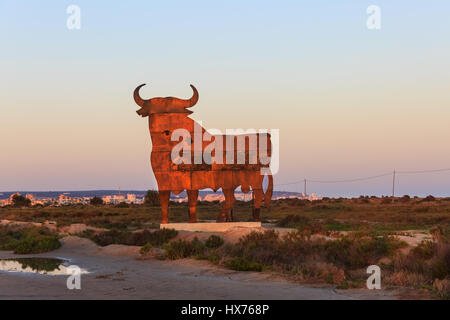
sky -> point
(349, 102)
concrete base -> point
(209, 226)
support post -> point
(393, 186)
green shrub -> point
(37, 244)
(152, 198)
(358, 251)
(429, 198)
(20, 201)
(424, 250)
(28, 240)
(155, 238)
(146, 248)
(111, 237)
(123, 205)
(96, 201)
(214, 242)
(214, 258)
(406, 198)
(241, 264)
(301, 223)
(183, 249)
(334, 225)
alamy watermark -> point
(74, 280)
(374, 19)
(74, 19)
(374, 280)
(247, 146)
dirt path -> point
(116, 274)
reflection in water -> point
(49, 266)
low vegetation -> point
(214, 242)
(20, 201)
(28, 240)
(425, 266)
(339, 214)
(342, 261)
(241, 264)
(146, 249)
(180, 249)
(154, 238)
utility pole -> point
(393, 185)
(305, 187)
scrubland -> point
(331, 241)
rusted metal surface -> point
(169, 114)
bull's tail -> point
(269, 192)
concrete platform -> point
(209, 226)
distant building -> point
(131, 198)
(64, 199)
(312, 197)
(214, 197)
(243, 196)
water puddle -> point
(50, 266)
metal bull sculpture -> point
(169, 114)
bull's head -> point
(164, 105)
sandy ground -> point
(115, 273)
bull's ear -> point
(142, 113)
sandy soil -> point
(115, 273)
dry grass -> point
(327, 215)
(426, 266)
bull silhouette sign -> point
(187, 157)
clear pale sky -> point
(349, 102)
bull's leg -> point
(164, 197)
(224, 215)
(257, 201)
(192, 200)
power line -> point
(393, 174)
(351, 180)
(393, 185)
(423, 171)
(336, 181)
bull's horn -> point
(189, 102)
(139, 101)
(194, 99)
